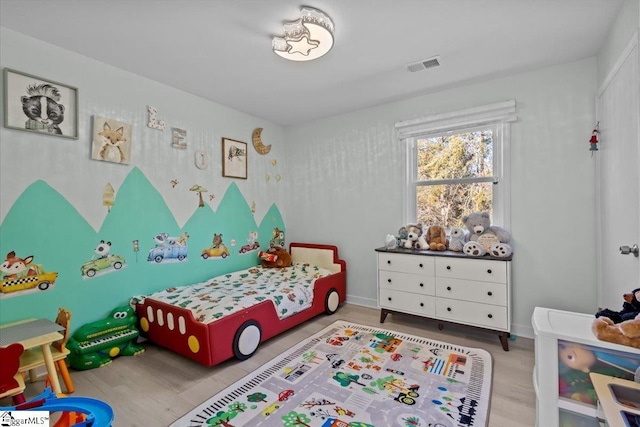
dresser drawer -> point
(406, 302)
(472, 269)
(473, 313)
(469, 290)
(415, 264)
(415, 283)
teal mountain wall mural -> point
(43, 224)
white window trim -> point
(498, 115)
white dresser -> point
(446, 286)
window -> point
(457, 163)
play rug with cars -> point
(356, 375)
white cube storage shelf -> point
(448, 287)
(557, 403)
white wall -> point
(349, 180)
(114, 93)
(625, 25)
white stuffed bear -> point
(456, 239)
(415, 237)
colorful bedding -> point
(290, 289)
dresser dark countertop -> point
(450, 254)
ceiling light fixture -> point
(308, 38)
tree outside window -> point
(455, 176)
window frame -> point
(497, 116)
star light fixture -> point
(308, 38)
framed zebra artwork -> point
(234, 158)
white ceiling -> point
(221, 49)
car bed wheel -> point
(246, 340)
(331, 302)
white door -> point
(618, 159)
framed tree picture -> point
(234, 158)
(35, 104)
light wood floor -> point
(158, 386)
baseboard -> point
(524, 331)
(364, 302)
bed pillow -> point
(275, 257)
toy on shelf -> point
(630, 308)
(81, 411)
(625, 333)
(482, 237)
(415, 237)
(576, 361)
(97, 343)
(437, 238)
(456, 239)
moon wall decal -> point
(257, 142)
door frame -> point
(633, 44)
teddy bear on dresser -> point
(482, 237)
(415, 237)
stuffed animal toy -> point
(390, 241)
(437, 238)
(456, 239)
(630, 308)
(625, 333)
(415, 237)
(275, 257)
(495, 240)
(402, 236)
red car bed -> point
(230, 315)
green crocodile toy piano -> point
(97, 343)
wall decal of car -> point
(213, 252)
(251, 247)
(90, 268)
(160, 253)
(41, 279)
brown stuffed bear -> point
(625, 333)
(275, 257)
(437, 238)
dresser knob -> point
(422, 285)
(388, 261)
(389, 298)
(421, 265)
(421, 304)
(489, 293)
(448, 267)
(389, 280)
(448, 288)
(448, 308)
(489, 271)
(490, 316)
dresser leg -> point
(440, 326)
(504, 340)
(383, 315)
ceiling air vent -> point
(424, 64)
